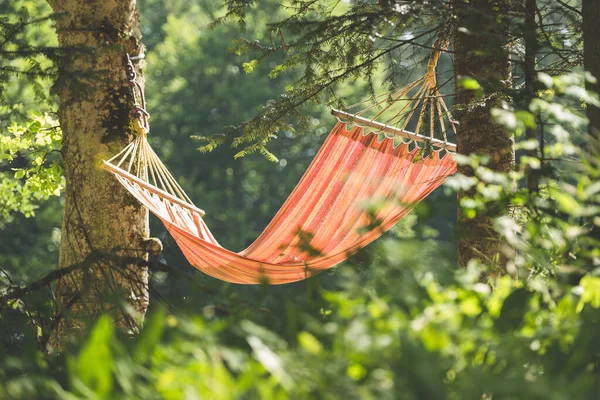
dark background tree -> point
(591, 63)
(486, 64)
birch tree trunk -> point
(102, 222)
(481, 53)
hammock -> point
(328, 216)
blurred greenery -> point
(396, 321)
(30, 169)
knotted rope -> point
(139, 159)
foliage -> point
(27, 49)
(28, 174)
(549, 228)
(437, 334)
(29, 140)
(333, 42)
(398, 320)
(377, 42)
(35, 174)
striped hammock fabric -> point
(330, 213)
(325, 219)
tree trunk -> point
(481, 53)
(102, 222)
(591, 63)
(530, 38)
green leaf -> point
(469, 83)
(150, 335)
(470, 306)
(277, 71)
(309, 343)
(93, 367)
(249, 66)
(545, 79)
(591, 292)
(513, 310)
(356, 371)
(565, 201)
(35, 127)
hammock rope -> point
(330, 213)
(426, 96)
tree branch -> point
(94, 257)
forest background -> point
(398, 320)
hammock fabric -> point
(328, 216)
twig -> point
(570, 8)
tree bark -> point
(481, 53)
(591, 63)
(100, 216)
(531, 47)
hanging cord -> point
(440, 45)
(139, 108)
(419, 102)
(138, 160)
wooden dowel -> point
(393, 130)
(108, 166)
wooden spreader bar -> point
(110, 167)
(393, 130)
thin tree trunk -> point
(591, 63)
(100, 217)
(481, 53)
(529, 35)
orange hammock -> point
(329, 215)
